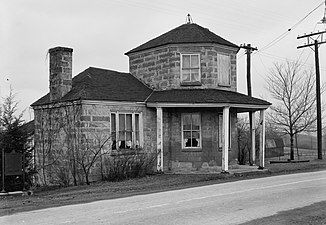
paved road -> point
(228, 203)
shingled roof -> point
(184, 34)
(203, 96)
(102, 84)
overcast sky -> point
(101, 31)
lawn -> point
(45, 198)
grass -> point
(45, 198)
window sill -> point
(220, 149)
(225, 85)
(196, 83)
(199, 149)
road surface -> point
(228, 203)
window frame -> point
(218, 65)
(183, 146)
(133, 130)
(198, 82)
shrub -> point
(131, 164)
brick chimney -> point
(60, 72)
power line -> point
(284, 34)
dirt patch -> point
(45, 198)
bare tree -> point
(293, 90)
(92, 150)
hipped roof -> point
(189, 33)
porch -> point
(209, 141)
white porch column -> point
(159, 132)
(253, 138)
(262, 140)
(225, 139)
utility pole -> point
(252, 156)
(314, 40)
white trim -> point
(225, 138)
(133, 130)
(262, 139)
(253, 138)
(133, 127)
(141, 130)
(181, 68)
(212, 105)
(117, 130)
(159, 136)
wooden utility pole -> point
(252, 150)
(316, 39)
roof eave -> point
(146, 49)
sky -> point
(101, 31)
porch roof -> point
(204, 98)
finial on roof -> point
(189, 19)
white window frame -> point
(181, 68)
(219, 70)
(183, 145)
(133, 129)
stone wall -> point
(160, 67)
(65, 132)
(176, 158)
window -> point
(191, 137)
(220, 131)
(125, 131)
(190, 68)
(224, 69)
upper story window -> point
(190, 68)
(125, 131)
(224, 69)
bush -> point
(129, 164)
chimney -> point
(60, 72)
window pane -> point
(121, 122)
(194, 61)
(194, 142)
(194, 75)
(187, 138)
(186, 75)
(128, 122)
(195, 134)
(114, 145)
(186, 120)
(195, 121)
(128, 136)
(113, 123)
(113, 136)
(137, 122)
(186, 61)
(186, 134)
(121, 135)
(122, 144)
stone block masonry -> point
(160, 68)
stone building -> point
(179, 101)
